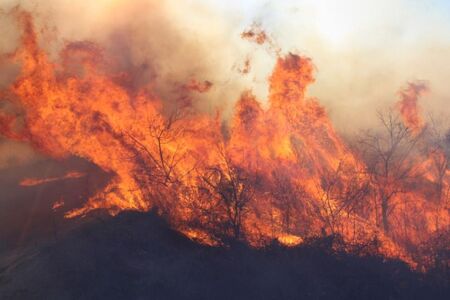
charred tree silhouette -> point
(438, 151)
(157, 157)
(390, 161)
(233, 190)
(342, 192)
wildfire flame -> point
(280, 173)
(408, 105)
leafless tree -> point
(157, 157)
(390, 156)
(342, 192)
(438, 151)
(233, 190)
(162, 133)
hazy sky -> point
(364, 50)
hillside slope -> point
(136, 256)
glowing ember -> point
(58, 204)
(290, 240)
(37, 181)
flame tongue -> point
(37, 181)
(408, 106)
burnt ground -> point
(137, 256)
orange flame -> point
(408, 105)
(58, 204)
(37, 181)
